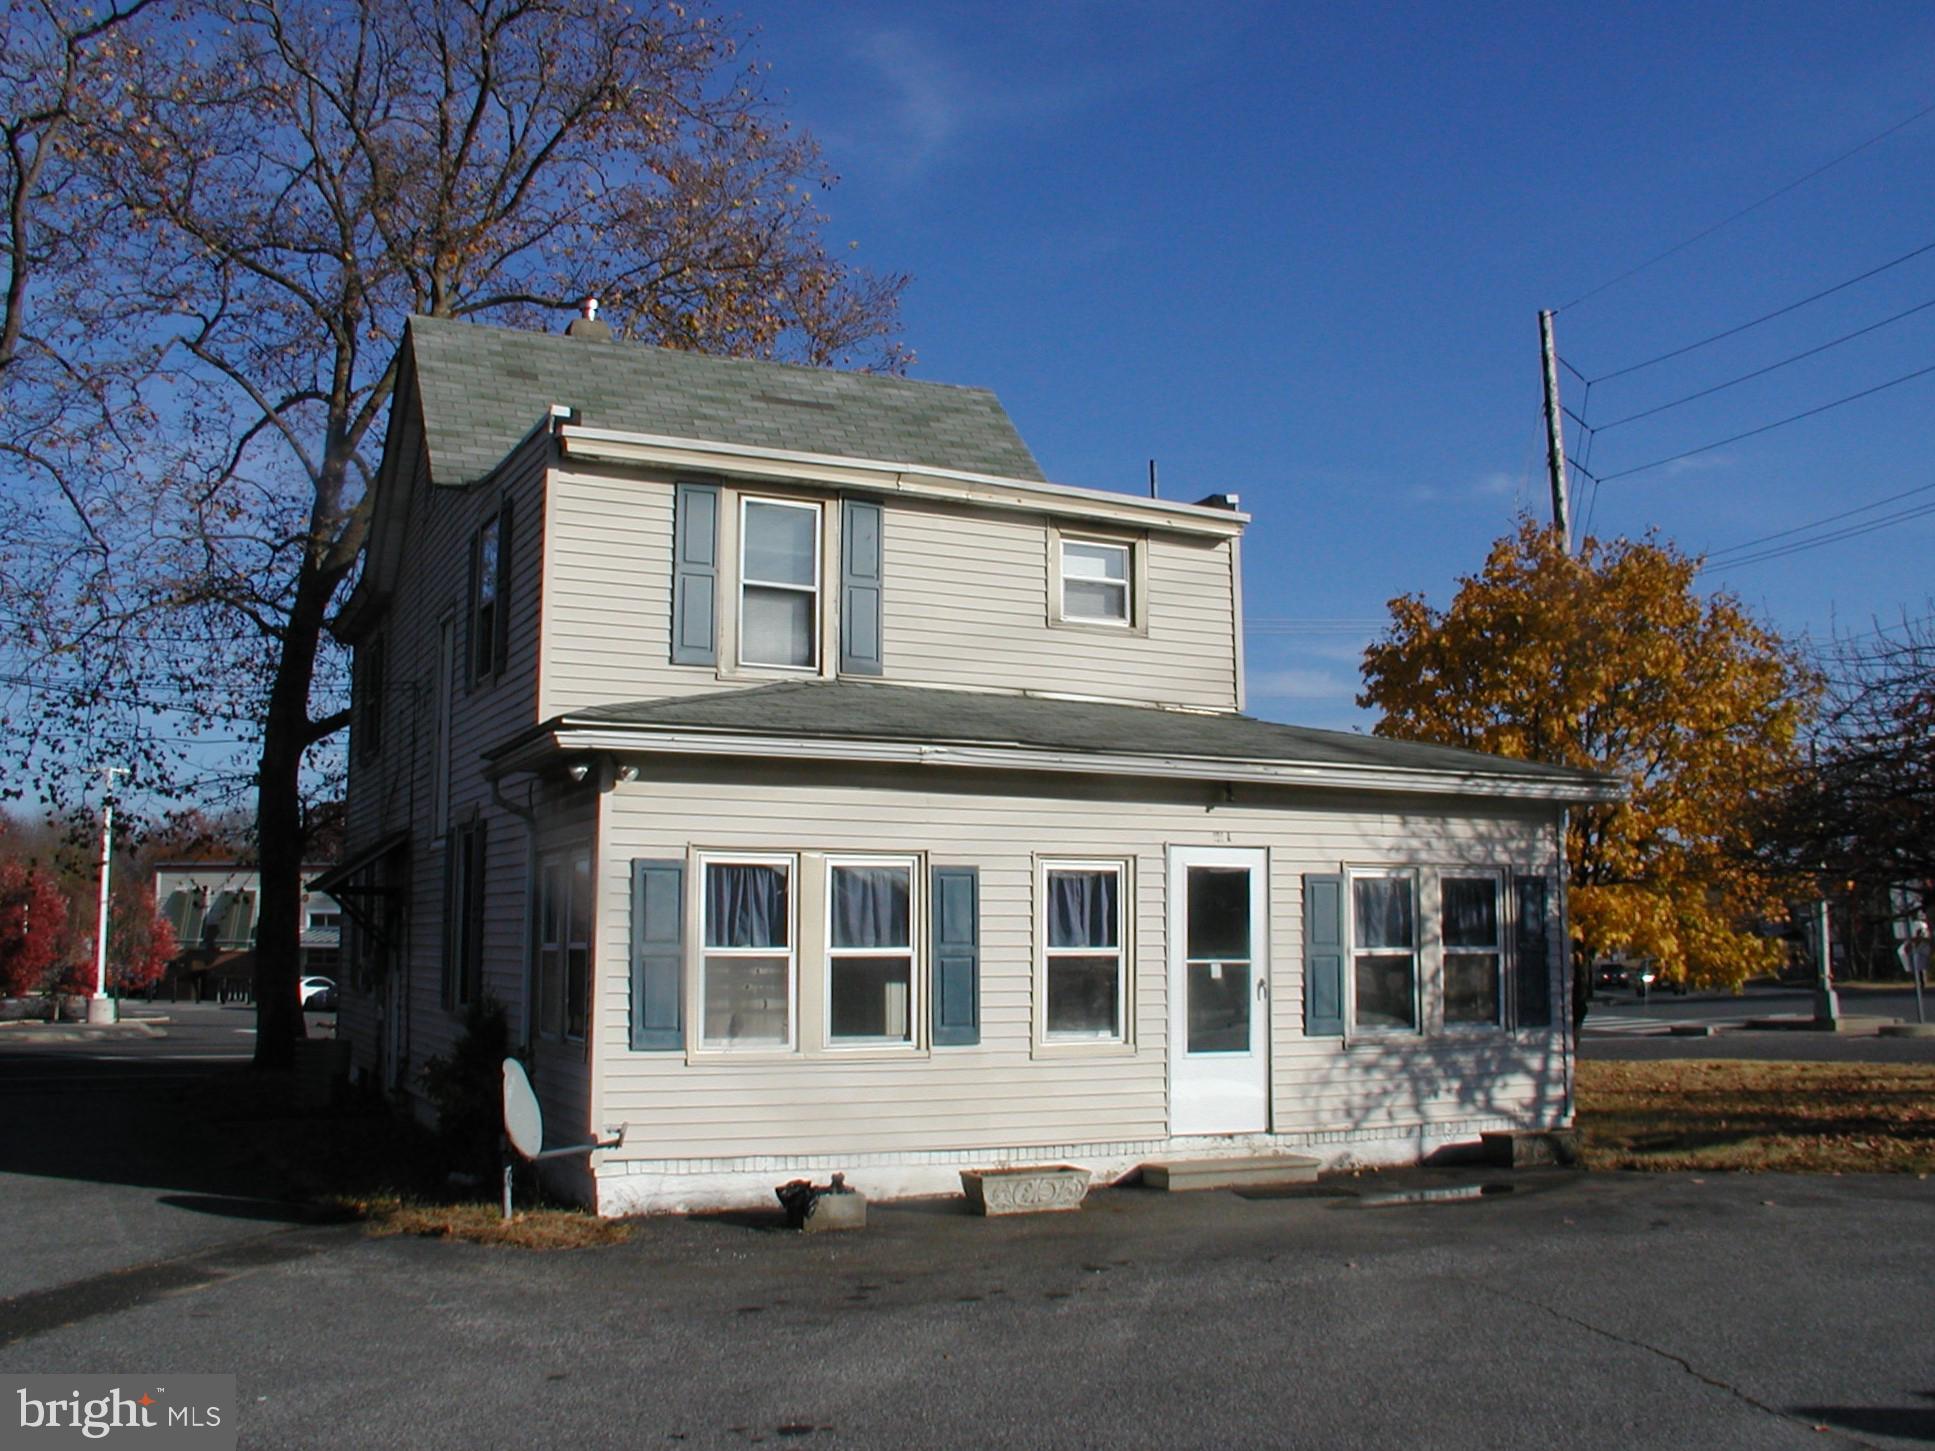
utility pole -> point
(1554, 432)
(101, 1008)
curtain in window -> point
(1471, 912)
(1383, 909)
(1081, 909)
(870, 907)
(745, 905)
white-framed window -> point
(1083, 987)
(1471, 915)
(562, 926)
(748, 965)
(779, 583)
(1097, 580)
(1384, 951)
(871, 931)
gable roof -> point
(977, 728)
(481, 389)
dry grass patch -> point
(485, 1224)
(1721, 1114)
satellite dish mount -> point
(524, 1128)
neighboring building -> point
(212, 907)
(819, 789)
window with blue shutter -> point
(1323, 955)
(1534, 954)
(658, 955)
(695, 574)
(957, 956)
(860, 588)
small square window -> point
(1095, 581)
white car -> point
(318, 994)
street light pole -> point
(101, 1007)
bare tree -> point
(279, 184)
(1863, 812)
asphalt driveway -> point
(1571, 1311)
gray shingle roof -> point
(858, 711)
(482, 389)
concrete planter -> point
(1036, 1189)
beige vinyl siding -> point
(1008, 1091)
(965, 604)
(397, 791)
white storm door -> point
(1219, 991)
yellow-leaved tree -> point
(1610, 660)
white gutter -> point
(571, 738)
(605, 445)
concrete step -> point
(1230, 1173)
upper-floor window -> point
(490, 579)
(1095, 581)
(370, 667)
(1098, 581)
(779, 583)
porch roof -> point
(851, 720)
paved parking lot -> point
(1572, 1311)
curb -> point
(81, 1032)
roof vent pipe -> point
(587, 325)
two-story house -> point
(821, 789)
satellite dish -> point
(523, 1119)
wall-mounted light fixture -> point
(579, 771)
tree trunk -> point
(279, 826)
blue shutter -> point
(1323, 955)
(957, 956)
(860, 578)
(658, 955)
(695, 574)
(1533, 957)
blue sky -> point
(1298, 253)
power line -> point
(1750, 207)
(1816, 523)
(1771, 367)
(1769, 427)
(1767, 316)
(1853, 531)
